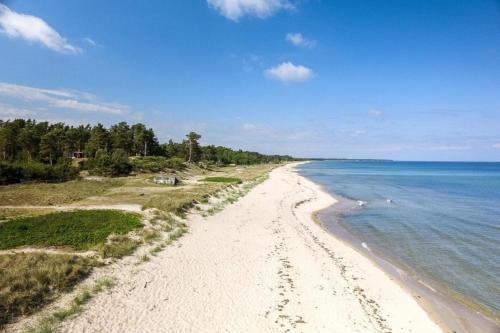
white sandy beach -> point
(260, 265)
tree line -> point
(42, 147)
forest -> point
(43, 151)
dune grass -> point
(31, 280)
(226, 180)
(78, 230)
(182, 199)
(49, 323)
(41, 277)
(43, 194)
(10, 213)
(118, 246)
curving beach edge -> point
(260, 265)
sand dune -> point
(260, 265)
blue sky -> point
(411, 80)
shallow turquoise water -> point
(441, 220)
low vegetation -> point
(118, 246)
(227, 180)
(31, 280)
(31, 150)
(78, 230)
(10, 213)
(42, 194)
(49, 323)
(17, 172)
(157, 164)
(31, 217)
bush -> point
(11, 173)
(116, 164)
(156, 164)
(120, 163)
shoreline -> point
(260, 265)
(446, 309)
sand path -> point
(260, 265)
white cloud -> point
(288, 72)
(298, 39)
(33, 29)
(90, 41)
(235, 9)
(61, 99)
(375, 113)
(496, 145)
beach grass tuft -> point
(118, 246)
(31, 280)
(49, 323)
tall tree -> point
(29, 139)
(9, 144)
(139, 139)
(193, 147)
(49, 148)
(99, 140)
(121, 137)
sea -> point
(438, 222)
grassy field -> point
(10, 213)
(43, 194)
(227, 180)
(78, 230)
(31, 280)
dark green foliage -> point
(80, 230)
(227, 180)
(224, 156)
(192, 145)
(121, 137)
(98, 141)
(17, 172)
(28, 141)
(31, 280)
(119, 163)
(105, 164)
(156, 163)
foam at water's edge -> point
(445, 309)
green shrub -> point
(156, 164)
(80, 230)
(105, 164)
(17, 172)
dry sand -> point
(260, 265)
